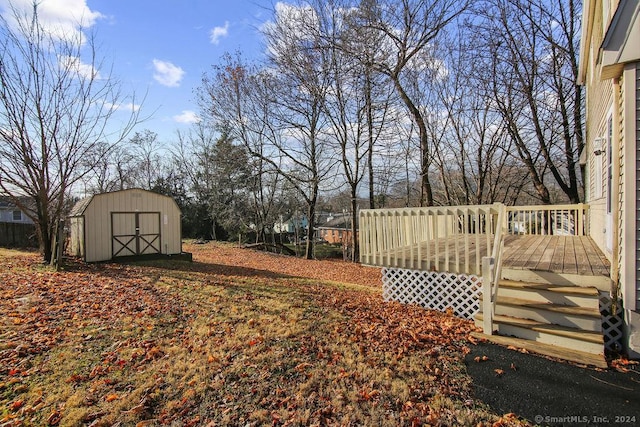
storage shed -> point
(126, 223)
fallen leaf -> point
(54, 418)
(17, 405)
(111, 397)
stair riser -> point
(581, 322)
(602, 283)
(548, 296)
(588, 347)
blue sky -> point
(162, 47)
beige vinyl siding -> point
(637, 184)
(629, 259)
(98, 221)
(599, 104)
(597, 167)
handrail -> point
(492, 273)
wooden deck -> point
(575, 255)
(558, 254)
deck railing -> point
(445, 238)
(456, 237)
(564, 220)
(492, 273)
(460, 239)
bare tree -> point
(278, 113)
(356, 108)
(473, 149)
(302, 85)
(533, 52)
(57, 103)
(110, 168)
(146, 154)
(239, 98)
(403, 31)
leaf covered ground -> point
(237, 337)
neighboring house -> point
(9, 212)
(610, 72)
(16, 228)
(291, 224)
(127, 223)
(336, 230)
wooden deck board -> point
(597, 260)
(570, 259)
(519, 251)
(544, 263)
(583, 247)
(560, 254)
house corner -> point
(632, 321)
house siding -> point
(629, 207)
(637, 184)
(6, 215)
(599, 102)
(613, 87)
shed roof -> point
(81, 206)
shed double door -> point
(135, 233)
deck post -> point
(487, 294)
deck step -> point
(572, 310)
(577, 356)
(553, 334)
(599, 282)
(546, 293)
(569, 290)
(587, 318)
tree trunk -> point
(355, 247)
(311, 212)
(426, 193)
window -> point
(17, 215)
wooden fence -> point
(17, 235)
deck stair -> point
(556, 320)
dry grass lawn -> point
(235, 338)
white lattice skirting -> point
(461, 293)
(612, 325)
(433, 290)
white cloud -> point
(63, 19)
(299, 23)
(218, 32)
(167, 74)
(75, 64)
(123, 106)
(187, 116)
